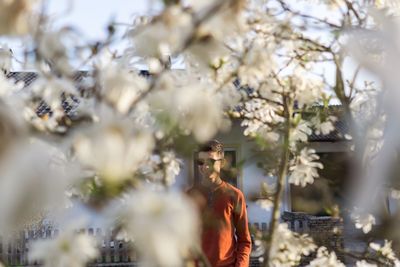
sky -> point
(91, 16)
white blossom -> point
(386, 250)
(308, 90)
(34, 176)
(265, 204)
(207, 54)
(228, 21)
(154, 65)
(193, 108)
(50, 88)
(364, 105)
(162, 37)
(288, 247)
(263, 111)
(69, 248)
(118, 149)
(257, 128)
(121, 87)
(198, 5)
(395, 193)
(303, 168)
(300, 132)
(391, 5)
(364, 263)
(53, 47)
(141, 115)
(163, 225)
(47, 122)
(162, 169)
(6, 87)
(13, 128)
(364, 221)
(171, 166)
(258, 64)
(325, 259)
(259, 115)
(323, 127)
(230, 96)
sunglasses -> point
(201, 162)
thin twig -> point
(354, 11)
(351, 84)
(306, 16)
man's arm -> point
(243, 247)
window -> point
(322, 197)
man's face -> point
(209, 164)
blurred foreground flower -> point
(163, 225)
(194, 108)
(121, 86)
(16, 16)
(12, 128)
(113, 150)
(162, 36)
(70, 248)
(33, 179)
(265, 204)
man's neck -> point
(217, 182)
(213, 182)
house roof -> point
(70, 103)
(338, 134)
(341, 126)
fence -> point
(325, 230)
(113, 252)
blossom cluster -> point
(288, 247)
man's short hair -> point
(213, 146)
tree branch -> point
(288, 106)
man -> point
(225, 234)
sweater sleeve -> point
(243, 248)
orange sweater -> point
(225, 236)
